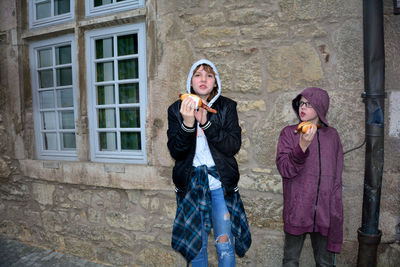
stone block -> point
(217, 33)
(5, 171)
(318, 9)
(390, 256)
(13, 191)
(394, 114)
(169, 208)
(117, 257)
(156, 256)
(347, 42)
(298, 66)
(120, 240)
(8, 228)
(213, 18)
(80, 197)
(248, 78)
(54, 221)
(263, 210)
(95, 216)
(132, 222)
(269, 29)
(261, 182)
(43, 193)
(246, 16)
(80, 248)
(154, 204)
(245, 106)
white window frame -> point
(139, 156)
(34, 47)
(34, 23)
(91, 10)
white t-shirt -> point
(203, 157)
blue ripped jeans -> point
(222, 226)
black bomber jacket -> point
(224, 140)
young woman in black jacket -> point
(206, 173)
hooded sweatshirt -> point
(312, 180)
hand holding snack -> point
(198, 101)
(307, 132)
(304, 126)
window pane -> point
(50, 141)
(127, 45)
(104, 48)
(129, 117)
(67, 120)
(105, 71)
(45, 59)
(61, 7)
(68, 141)
(129, 93)
(65, 98)
(63, 55)
(120, 0)
(130, 141)
(107, 118)
(64, 76)
(46, 99)
(105, 95)
(102, 2)
(43, 10)
(128, 69)
(49, 120)
(45, 78)
(108, 141)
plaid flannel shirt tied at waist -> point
(186, 232)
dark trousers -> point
(294, 245)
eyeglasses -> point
(307, 104)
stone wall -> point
(266, 52)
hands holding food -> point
(307, 132)
(304, 126)
(190, 109)
(198, 101)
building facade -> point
(85, 87)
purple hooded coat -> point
(312, 181)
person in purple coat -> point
(311, 167)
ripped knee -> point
(227, 216)
(222, 239)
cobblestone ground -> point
(17, 254)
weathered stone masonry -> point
(266, 52)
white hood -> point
(189, 79)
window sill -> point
(122, 176)
(120, 18)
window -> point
(98, 7)
(117, 93)
(46, 12)
(53, 84)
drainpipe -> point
(369, 236)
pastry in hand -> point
(304, 126)
(198, 101)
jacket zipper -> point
(319, 182)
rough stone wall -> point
(266, 52)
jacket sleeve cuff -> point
(187, 129)
(205, 126)
(299, 154)
(334, 247)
